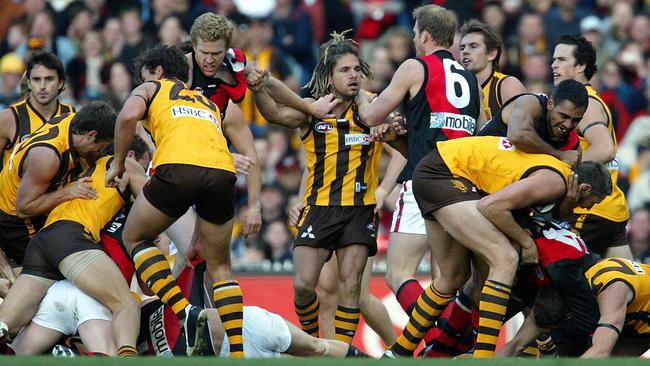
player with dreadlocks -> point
(343, 175)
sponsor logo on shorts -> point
(612, 164)
(204, 114)
(452, 121)
(372, 230)
(324, 127)
(360, 187)
(459, 185)
(505, 144)
(157, 332)
(308, 233)
(357, 139)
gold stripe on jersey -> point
(342, 162)
(28, 120)
(186, 127)
(613, 207)
(263, 61)
(57, 136)
(637, 277)
(492, 163)
(492, 100)
(92, 214)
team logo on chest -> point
(324, 127)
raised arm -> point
(408, 78)
(240, 136)
(278, 114)
(594, 128)
(41, 167)
(134, 110)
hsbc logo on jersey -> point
(357, 139)
(183, 111)
(505, 144)
(452, 121)
(324, 127)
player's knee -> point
(303, 289)
(506, 260)
(455, 278)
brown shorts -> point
(599, 233)
(434, 186)
(174, 188)
(48, 248)
(336, 227)
(15, 234)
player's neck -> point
(430, 49)
(484, 74)
(46, 110)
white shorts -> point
(266, 335)
(407, 218)
(65, 308)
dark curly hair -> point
(96, 116)
(584, 52)
(170, 58)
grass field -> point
(153, 361)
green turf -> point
(153, 361)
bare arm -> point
(7, 129)
(41, 166)
(134, 109)
(408, 78)
(278, 114)
(594, 128)
(612, 303)
(521, 127)
(240, 135)
(543, 186)
(136, 174)
(394, 168)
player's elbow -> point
(517, 136)
(23, 211)
(487, 206)
(609, 154)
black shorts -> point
(434, 186)
(174, 188)
(599, 233)
(335, 227)
(48, 248)
(15, 234)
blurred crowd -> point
(97, 41)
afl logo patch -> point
(324, 127)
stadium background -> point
(97, 41)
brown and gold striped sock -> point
(492, 310)
(153, 269)
(426, 311)
(308, 316)
(229, 302)
(126, 351)
(345, 323)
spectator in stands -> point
(161, 9)
(638, 232)
(528, 40)
(592, 28)
(375, 16)
(113, 38)
(11, 70)
(11, 10)
(289, 174)
(563, 18)
(80, 24)
(494, 16)
(618, 26)
(536, 74)
(16, 35)
(273, 203)
(84, 71)
(382, 67)
(136, 41)
(42, 36)
(640, 30)
(399, 43)
(292, 33)
(120, 85)
(171, 31)
(277, 240)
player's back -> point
(186, 128)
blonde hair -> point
(439, 22)
(211, 27)
(320, 84)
